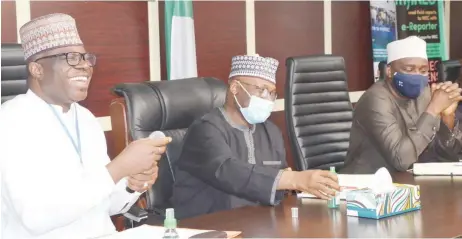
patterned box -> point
(365, 203)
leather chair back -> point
(170, 107)
(14, 71)
(449, 70)
(318, 111)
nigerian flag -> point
(180, 40)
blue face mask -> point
(410, 85)
(258, 110)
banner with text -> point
(383, 31)
(398, 19)
(424, 19)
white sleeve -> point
(42, 196)
(44, 192)
(121, 200)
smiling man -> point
(57, 179)
(401, 120)
(234, 157)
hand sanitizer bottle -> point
(170, 225)
(334, 201)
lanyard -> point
(77, 145)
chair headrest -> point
(14, 71)
(449, 70)
(321, 63)
(167, 105)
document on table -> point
(437, 168)
(347, 183)
(150, 232)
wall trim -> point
(250, 27)
(447, 25)
(327, 27)
(154, 41)
(22, 15)
(105, 121)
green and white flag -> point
(180, 39)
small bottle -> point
(334, 201)
(170, 225)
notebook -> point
(437, 169)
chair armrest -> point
(137, 214)
(120, 134)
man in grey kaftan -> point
(402, 120)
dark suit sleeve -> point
(448, 143)
(278, 143)
(207, 156)
(399, 145)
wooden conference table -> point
(440, 216)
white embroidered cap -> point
(48, 32)
(257, 66)
(411, 46)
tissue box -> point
(366, 203)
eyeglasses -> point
(263, 92)
(74, 58)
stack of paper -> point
(437, 168)
(347, 183)
(149, 232)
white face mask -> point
(258, 110)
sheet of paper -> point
(437, 168)
(347, 183)
(149, 232)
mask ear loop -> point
(244, 89)
(235, 99)
(250, 96)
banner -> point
(398, 19)
(424, 19)
(383, 30)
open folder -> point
(437, 169)
(150, 232)
(347, 183)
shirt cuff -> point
(274, 189)
(427, 125)
(130, 198)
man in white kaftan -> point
(57, 179)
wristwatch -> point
(129, 190)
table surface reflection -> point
(440, 216)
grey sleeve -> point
(207, 156)
(378, 118)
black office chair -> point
(449, 70)
(382, 67)
(14, 71)
(318, 111)
(167, 106)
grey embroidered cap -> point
(48, 32)
(257, 66)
